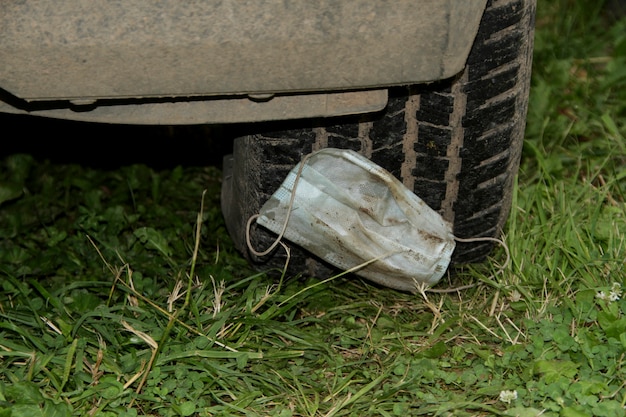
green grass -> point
(113, 303)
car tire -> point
(456, 143)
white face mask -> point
(349, 211)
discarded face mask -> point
(351, 212)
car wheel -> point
(456, 143)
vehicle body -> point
(203, 61)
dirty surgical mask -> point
(355, 215)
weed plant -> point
(121, 294)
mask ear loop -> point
(490, 239)
(284, 228)
(473, 240)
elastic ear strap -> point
(472, 240)
(284, 228)
(489, 239)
